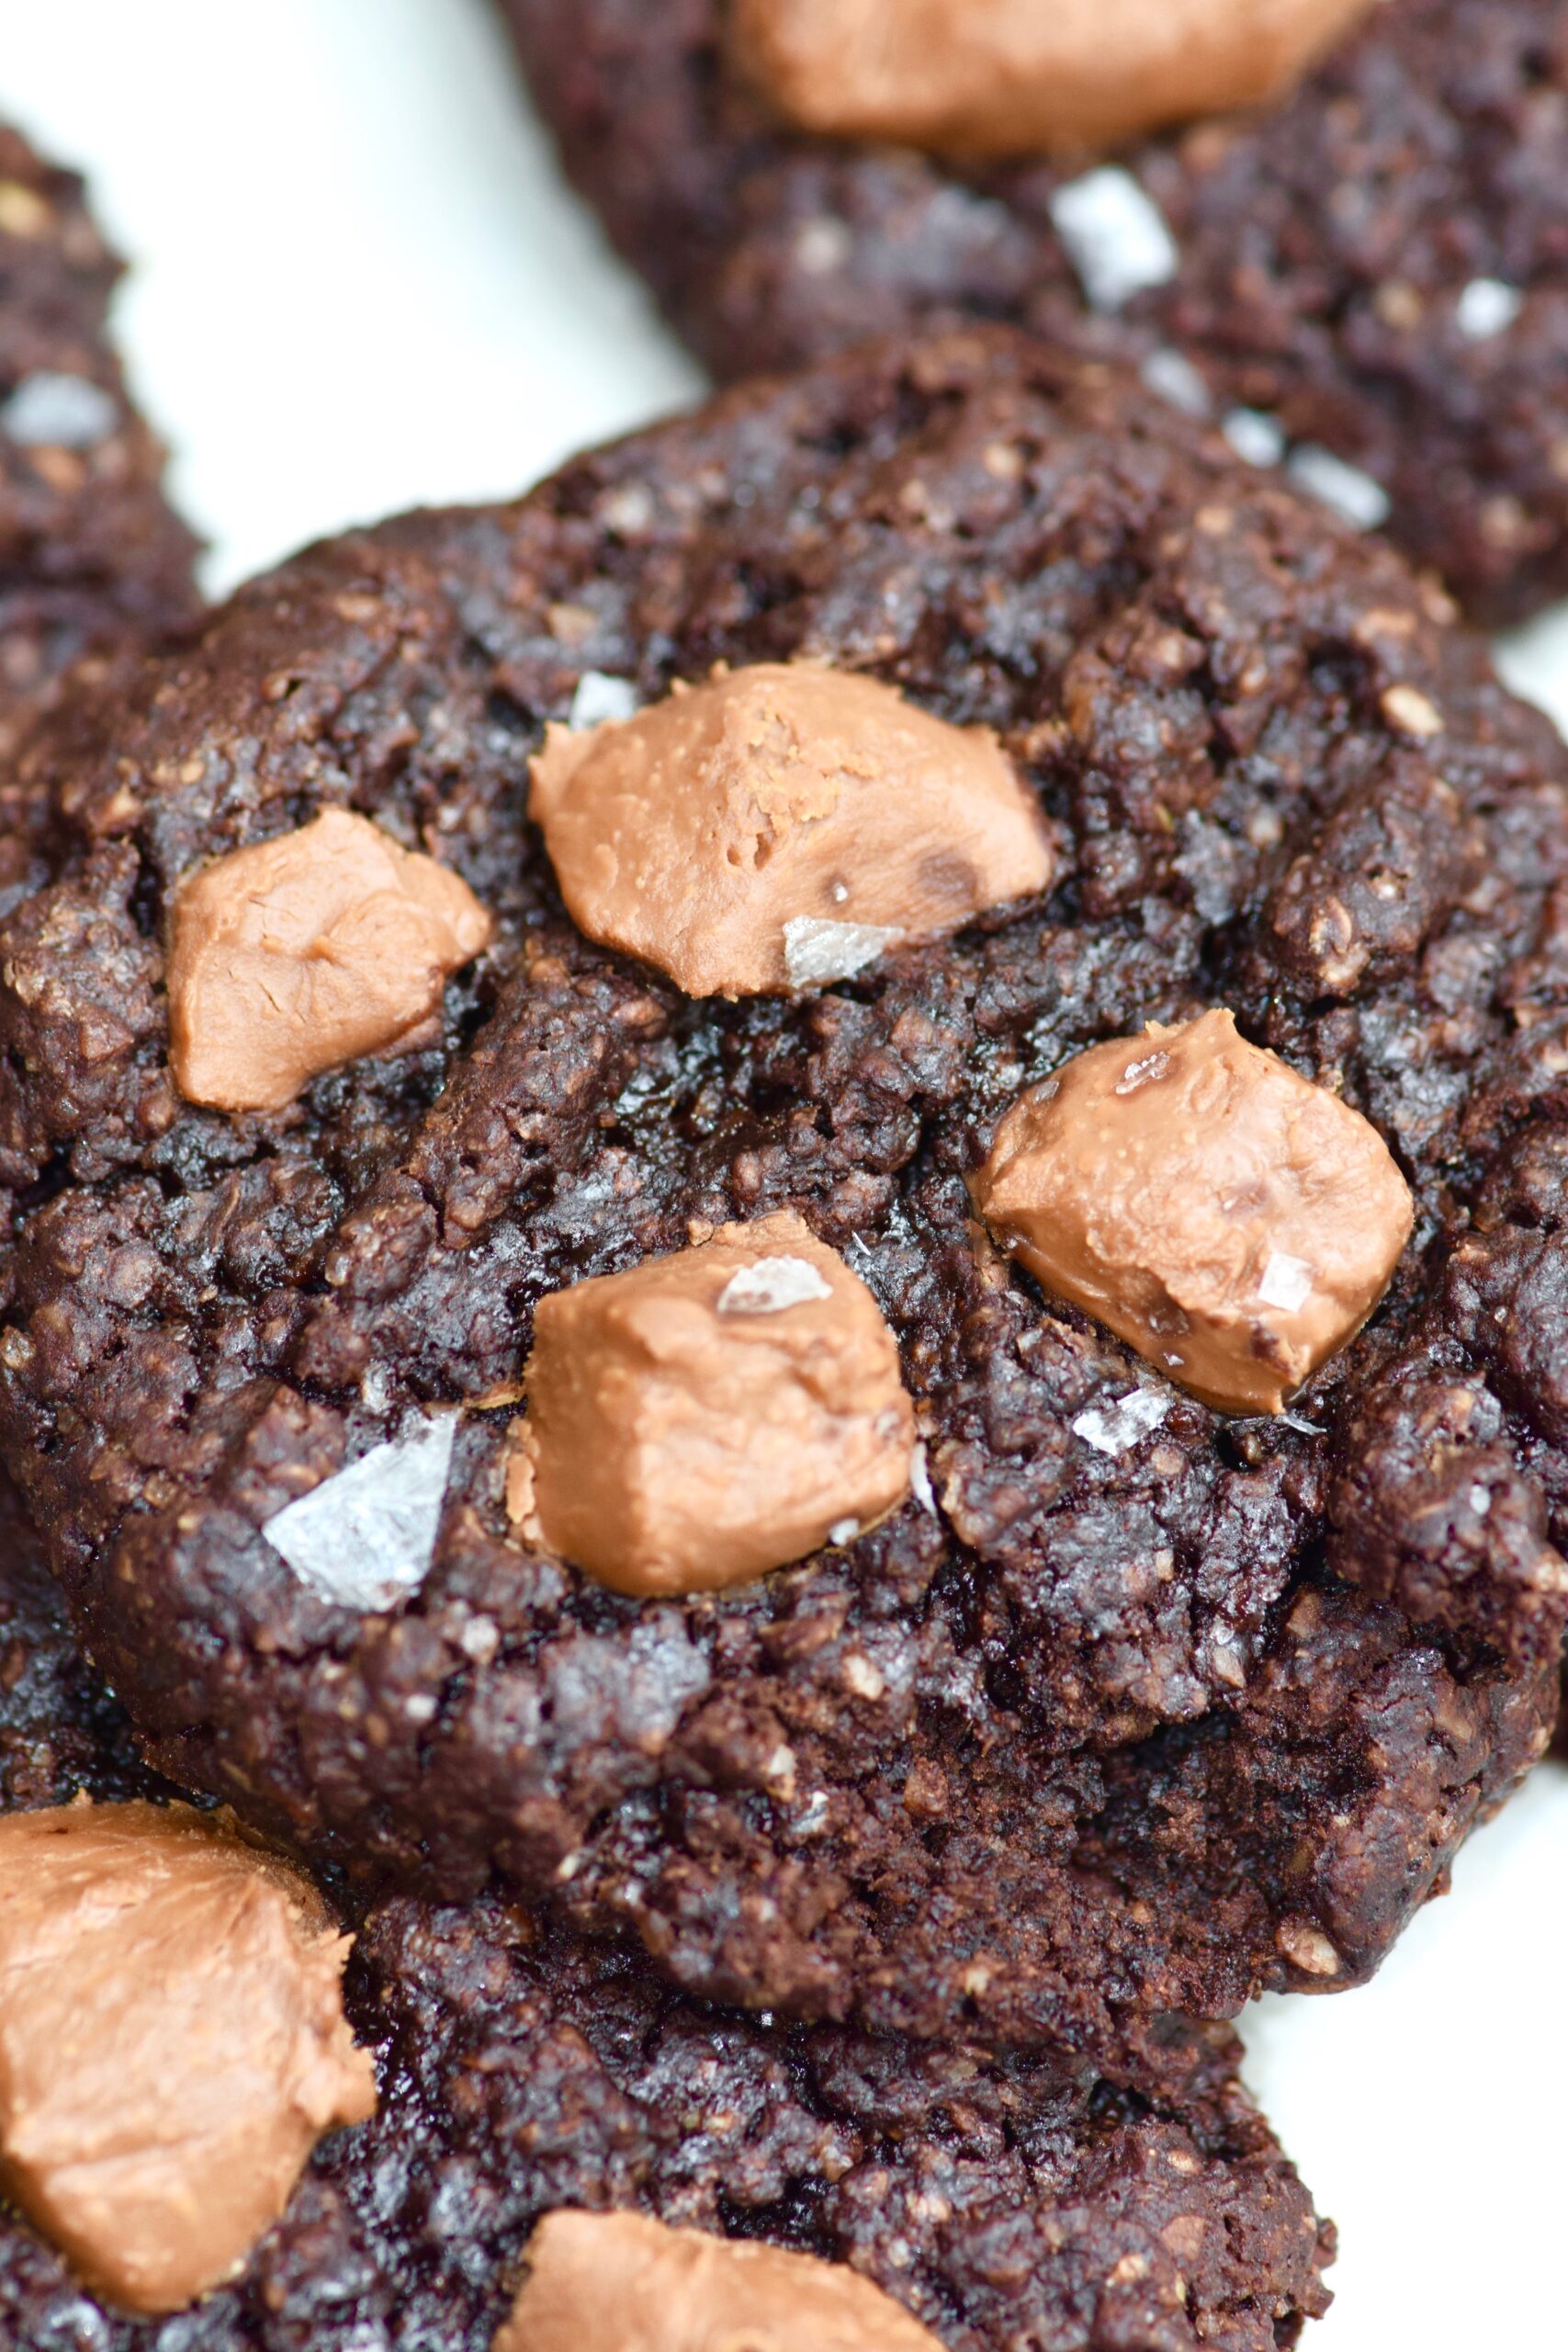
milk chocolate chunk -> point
(711, 1415)
(781, 826)
(172, 2044)
(1230, 1220)
(1016, 77)
(619, 2282)
(291, 957)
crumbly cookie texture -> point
(92, 560)
(1366, 277)
(1129, 1706)
(60, 1730)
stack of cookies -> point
(785, 1235)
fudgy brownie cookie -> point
(91, 558)
(1374, 267)
(523, 2071)
(1131, 1705)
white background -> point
(359, 286)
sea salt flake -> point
(1487, 307)
(1116, 236)
(1287, 1282)
(812, 1818)
(1255, 435)
(1173, 377)
(1479, 1502)
(920, 1480)
(1144, 1072)
(59, 411)
(629, 510)
(1114, 1429)
(843, 1531)
(367, 1535)
(600, 697)
(1345, 490)
(480, 1639)
(817, 950)
(823, 244)
(771, 1286)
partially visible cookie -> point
(520, 2078)
(1372, 270)
(92, 559)
(523, 2072)
(93, 562)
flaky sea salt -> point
(1116, 236)
(1349, 492)
(1173, 377)
(920, 1480)
(1487, 307)
(771, 1286)
(823, 244)
(817, 950)
(812, 1818)
(629, 510)
(366, 1536)
(1287, 1282)
(600, 697)
(58, 411)
(1255, 435)
(1113, 1428)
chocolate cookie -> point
(91, 558)
(519, 2078)
(1129, 1705)
(92, 564)
(1372, 271)
(522, 2072)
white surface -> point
(360, 284)
(360, 287)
